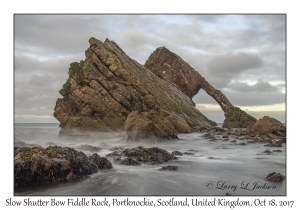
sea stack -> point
(109, 91)
(170, 67)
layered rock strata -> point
(108, 89)
(169, 66)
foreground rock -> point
(168, 167)
(268, 126)
(36, 165)
(171, 67)
(275, 177)
(19, 144)
(108, 89)
(139, 155)
(101, 162)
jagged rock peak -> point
(108, 86)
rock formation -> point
(275, 177)
(268, 126)
(139, 155)
(36, 165)
(108, 89)
(169, 66)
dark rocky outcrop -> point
(168, 167)
(139, 155)
(268, 126)
(36, 165)
(171, 67)
(178, 153)
(274, 143)
(275, 177)
(101, 162)
(20, 144)
(108, 89)
(277, 150)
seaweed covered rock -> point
(267, 126)
(19, 144)
(139, 155)
(237, 118)
(36, 165)
(107, 86)
(172, 68)
(168, 167)
(101, 162)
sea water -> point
(215, 168)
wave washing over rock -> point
(109, 90)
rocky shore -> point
(35, 165)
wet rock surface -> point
(169, 168)
(139, 155)
(267, 151)
(275, 177)
(101, 162)
(277, 150)
(274, 143)
(178, 153)
(36, 165)
(108, 86)
(188, 153)
(268, 126)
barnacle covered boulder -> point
(36, 165)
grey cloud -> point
(55, 34)
(234, 63)
(281, 85)
(260, 94)
(36, 96)
(254, 98)
(259, 87)
(43, 80)
(221, 69)
(30, 64)
(275, 25)
(203, 98)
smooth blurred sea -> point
(214, 169)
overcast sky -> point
(242, 55)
